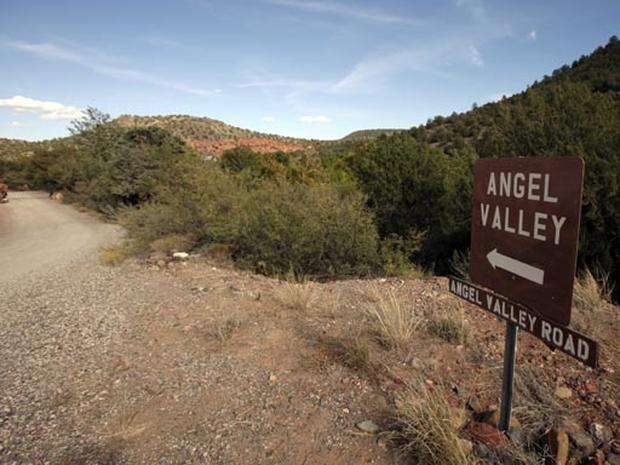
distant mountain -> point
(211, 137)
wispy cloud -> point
(44, 109)
(17, 124)
(267, 119)
(75, 56)
(318, 119)
(532, 35)
(432, 59)
(348, 10)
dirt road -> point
(189, 363)
(37, 233)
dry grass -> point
(448, 324)
(394, 323)
(355, 353)
(536, 405)
(114, 255)
(590, 299)
(222, 330)
(430, 426)
(297, 296)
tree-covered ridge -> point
(14, 148)
(576, 111)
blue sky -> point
(315, 68)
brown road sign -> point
(525, 229)
(555, 336)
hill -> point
(15, 148)
(420, 180)
(368, 134)
(210, 137)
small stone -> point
(613, 459)
(482, 451)
(601, 433)
(583, 442)
(563, 392)
(517, 437)
(273, 378)
(466, 446)
(368, 426)
(180, 255)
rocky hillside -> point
(211, 137)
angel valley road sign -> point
(525, 230)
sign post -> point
(525, 230)
(510, 357)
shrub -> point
(309, 230)
(275, 228)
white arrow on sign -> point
(514, 266)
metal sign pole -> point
(510, 355)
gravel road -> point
(139, 364)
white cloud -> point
(16, 124)
(532, 35)
(341, 9)
(44, 109)
(97, 63)
(318, 119)
(267, 119)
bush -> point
(275, 228)
(309, 230)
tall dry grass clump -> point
(394, 322)
(429, 427)
(536, 405)
(448, 324)
(590, 299)
(296, 296)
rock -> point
(161, 263)
(482, 451)
(563, 392)
(613, 459)
(583, 442)
(368, 426)
(180, 255)
(601, 433)
(486, 434)
(558, 446)
(518, 437)
(492, 418)
(466, 446)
